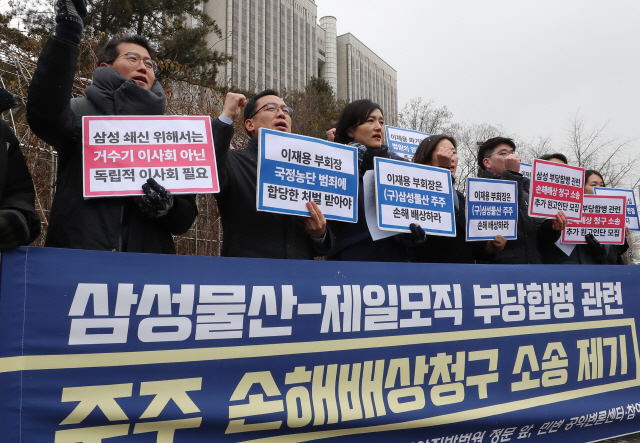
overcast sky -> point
(527, 65)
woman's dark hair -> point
(110, 53)
(589, 172)
(352, 116)
(427, 147)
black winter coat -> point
(107, 224)
(353, 240)
(581, 255)
(439, 249)
(247, 231)
(16, 185)
(532, 232)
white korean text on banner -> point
(632, 209)
(106, 347)
(404, 142)
(121, 152)
(526, 170)
(556, 187)
(294, 169)
(492, 209)
(603, 217)
(410, 193)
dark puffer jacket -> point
(16, 185)
(532, 232)
(353, 240)
(440, 249)
(583, 255)
(107, 224)
(247, 231)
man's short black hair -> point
(250, 107)
(486, 149)
(558, 156)
(110, 52)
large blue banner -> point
(100, 346)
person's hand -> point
(14, 230)
(316, 224)
(594, 248)
(627, 233)
(331, 134)
(560, 222)
(496, 245)
(512, 162)
(443, 157)
(76, 8)
(233, 104)
(156, 202)
(415, 238)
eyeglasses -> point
(503, 153)
(272, 107)
(134, 60)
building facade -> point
(280, 44)
(362, 74)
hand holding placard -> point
(156, 202)
(496, 245)
(416, 238)
(594, 248)
(315, 224)
(560, 222)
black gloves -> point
(156, 202)
(14, 230)
(71, 10)
(594, 248)
(416, 238)
(7, 100)
(68, 18)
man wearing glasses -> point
(247, 232)
(123, 84)
(498, 160)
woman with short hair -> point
(361, 124)
(441, 151)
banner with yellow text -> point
(111, 347)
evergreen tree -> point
(316, 109)
(176, 28)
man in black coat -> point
(19, 221)
(498, 160)
(124, 84)
(248, 232)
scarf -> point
(112, 94)
(366, 155)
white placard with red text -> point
(556, 187)
(633, 222)
(602, 216)
(121, 152)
